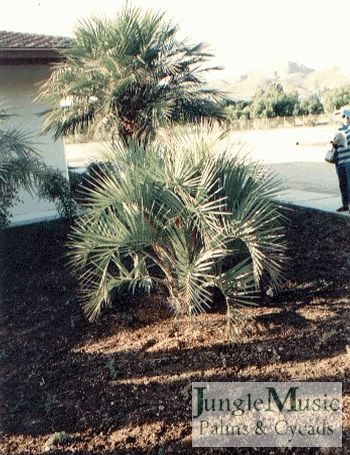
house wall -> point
(18, 89)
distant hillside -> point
(293, 76)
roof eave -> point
(25, 55)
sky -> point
(243, 35)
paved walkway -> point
(318, 201)
(296, 155)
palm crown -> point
(130, 75)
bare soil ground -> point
(123, 386)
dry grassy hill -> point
(291, 75)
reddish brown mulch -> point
(123, 386)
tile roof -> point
(29, 41)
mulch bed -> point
(123, 385)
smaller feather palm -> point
(20, 166)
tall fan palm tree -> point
(130, 75)
(182, 218)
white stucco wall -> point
(18, 89)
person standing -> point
(341, 142)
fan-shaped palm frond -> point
(178, 215)
(129, 73)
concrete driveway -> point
(296, 155)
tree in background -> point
(266, 103)
(310, 105)
(273, 102)
(130, 75)
(336, 98)
(239, 109)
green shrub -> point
(59, 438)
(8, 199)
(75, 182)
(56, 188)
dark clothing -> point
(343, 165)
(344, 183)
(344, 151)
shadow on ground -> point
(124, 385)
